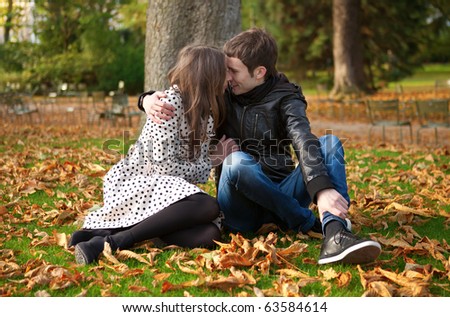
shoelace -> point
(343, 236)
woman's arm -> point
(169, 155)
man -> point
(259, 183)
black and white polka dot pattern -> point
(155, 173)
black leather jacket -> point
(267, 128)
(270, 128)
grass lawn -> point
(423, 78)
(50, 177)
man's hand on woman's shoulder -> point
(156, 109)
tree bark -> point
(8, 22)
(349, 75)
(173, 24)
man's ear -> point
(260, 72)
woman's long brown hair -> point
(200, 73)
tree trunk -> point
(8, 22)
(349, 75)
(173, 24)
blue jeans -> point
(249, 199)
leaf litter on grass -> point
(70, 180)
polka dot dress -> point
(155, 173)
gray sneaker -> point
(349, 224)
(345, 247)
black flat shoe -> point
(89, 251)
(86, 235)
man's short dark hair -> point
(254, 47)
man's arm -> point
(307, 146)
(155, 108)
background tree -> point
(302, 30)
(347, 48)
(172, 25)
(437, 48)
(95, 42)
(99, 42)
(8, 20)
(12, 53)
(396, 37)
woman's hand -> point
(156, 109)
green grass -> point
(385, 171)
(425, 77)
(429, 73)
(422, 78)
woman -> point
(151, 193)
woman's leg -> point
(87, 234)
(199, 236)
(191, 213)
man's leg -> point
(333, 155)
(339, 244)
(245, 195)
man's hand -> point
(330, 200)
(222, 149)
(157, 110)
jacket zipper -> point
(256, 124)
(242, 121)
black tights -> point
(186, 223)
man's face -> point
(241, 80)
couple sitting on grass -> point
(233, 111)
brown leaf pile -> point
(38, 160)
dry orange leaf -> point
(234, 259)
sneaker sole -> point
(364, 252)
(80, 257)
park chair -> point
(99, 107)
(388, 113)
(20, 106)
(120, 108)
(433, 114)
